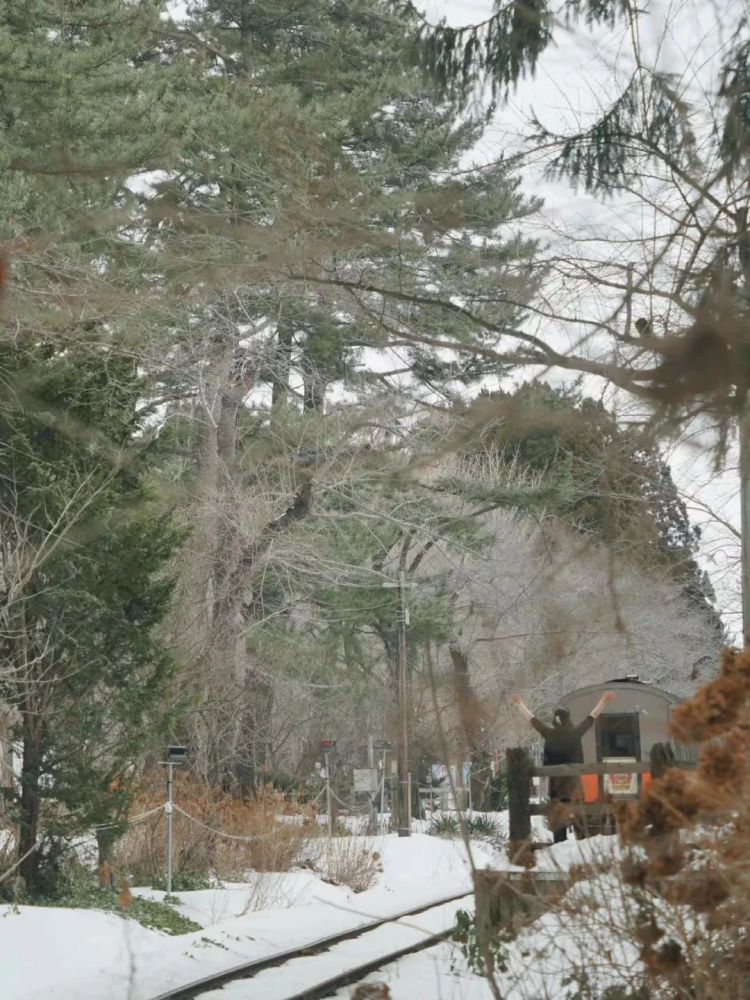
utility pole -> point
(742, 225)
(744, 435)
(373, 811)
(328, 748)
(402, 748)
(329, 804)
(382, 781)
(404, 827)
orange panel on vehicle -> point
(590, 787)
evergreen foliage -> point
(86, 546)
(648, 120)
(183, 336)
(499, 51)
(612, 483)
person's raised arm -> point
(523, 709)
(528, 714)
(605, 699)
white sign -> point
(620, 784)
(365, 779)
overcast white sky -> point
(575, 78)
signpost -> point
(383, 747)
(175, 755)
(327, 747)
(365, 780)
(620, 784)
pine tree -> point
(89, 97)
(84, 585)
(287, 235)
(613, 485)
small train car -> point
(626, 732)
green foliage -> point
(735, 89)
(89, 97)
(84, 93)
(336, 77)
(88, 678)
(645, 122)
(449, 826)
(499, 792)
(607, 481)
(183, 881)
(499, 51)
(481, 826)
(78, 888)
(444, 825)
(465, 936)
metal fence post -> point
(329, 804)
(168, 811)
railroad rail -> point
(326, 984)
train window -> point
(618, 735)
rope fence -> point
(162, 808)
(351, 806)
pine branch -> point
(499, 51)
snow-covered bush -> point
(352, 861)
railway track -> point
(321, 967)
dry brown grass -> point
(690, 840)
(199, 852)
(351, 861)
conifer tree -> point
(614, 485)
(85, 548)
(288, 234)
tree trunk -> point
(519, 793)
(31, 771)
(472, 718)
(314, 386)
(105, 842)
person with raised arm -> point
(562, 745)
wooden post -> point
(662, 758)
(519, 792)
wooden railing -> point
(521, 769)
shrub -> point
(352, 861)
(688, 848)
(499, 792)
(465, 936)
(444, 826)
(199, 851)
(79, 888)
(481, 826)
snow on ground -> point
(89, 955)
(435, 972)
(301, 973)
(539, 961)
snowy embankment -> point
(539, 963)
(88, 955)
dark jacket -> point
(562, 745)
